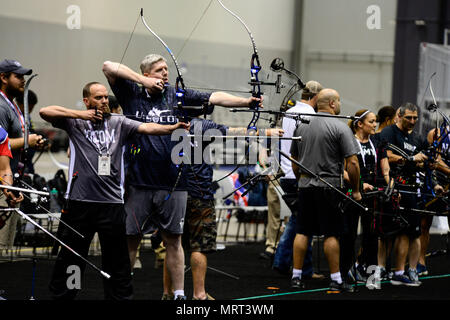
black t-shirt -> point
(411, 144)
(380, 146)
(367, 162)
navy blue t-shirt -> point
(148, 158)
(200, 176)
(410, 143)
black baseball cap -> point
(14, 66)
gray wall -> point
(217, 55)
(341, 52)
(327, 39)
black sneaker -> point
(359, 273)
(181, 298)
(336, 287)
(266, 255)
(384, 275)
(297, 283)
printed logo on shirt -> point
(367, 151)
(408, 147)
(100, 136)
(157, 116)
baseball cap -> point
(14, 66)
(313, 87)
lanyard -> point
(96, 144)
(16, 110)
(363, 156)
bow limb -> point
(26, 115)
(179, 84)
(162, 41)
(255, 68)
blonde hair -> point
(149, 60)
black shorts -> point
(319, 212)
(409, 201)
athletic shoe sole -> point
(400, 283)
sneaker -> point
(357, 274)
(181, 298)
(403, 280)
(421, 270)
(336, 287)
(266, 255)
(384, 275)
(167, 296)
(297, 283)
(413, 276)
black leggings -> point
(369, 240)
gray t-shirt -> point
(10, 121)
(325, 143)
(89, 141)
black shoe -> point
(180, 298)
(266, 255)
(297, 283)
(340, 287)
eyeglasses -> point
(411, 118)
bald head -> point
(328, 100)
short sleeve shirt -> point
(148, 158)
(289, 126)
(200, 175)
(10, 121)
(88, 141)
(5, 147)
(325, 144)
(409, 143)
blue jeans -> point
(283, 254)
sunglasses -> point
(411, 118)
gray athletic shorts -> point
(147, 210)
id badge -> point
(104, 165)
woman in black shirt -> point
(374, 170)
